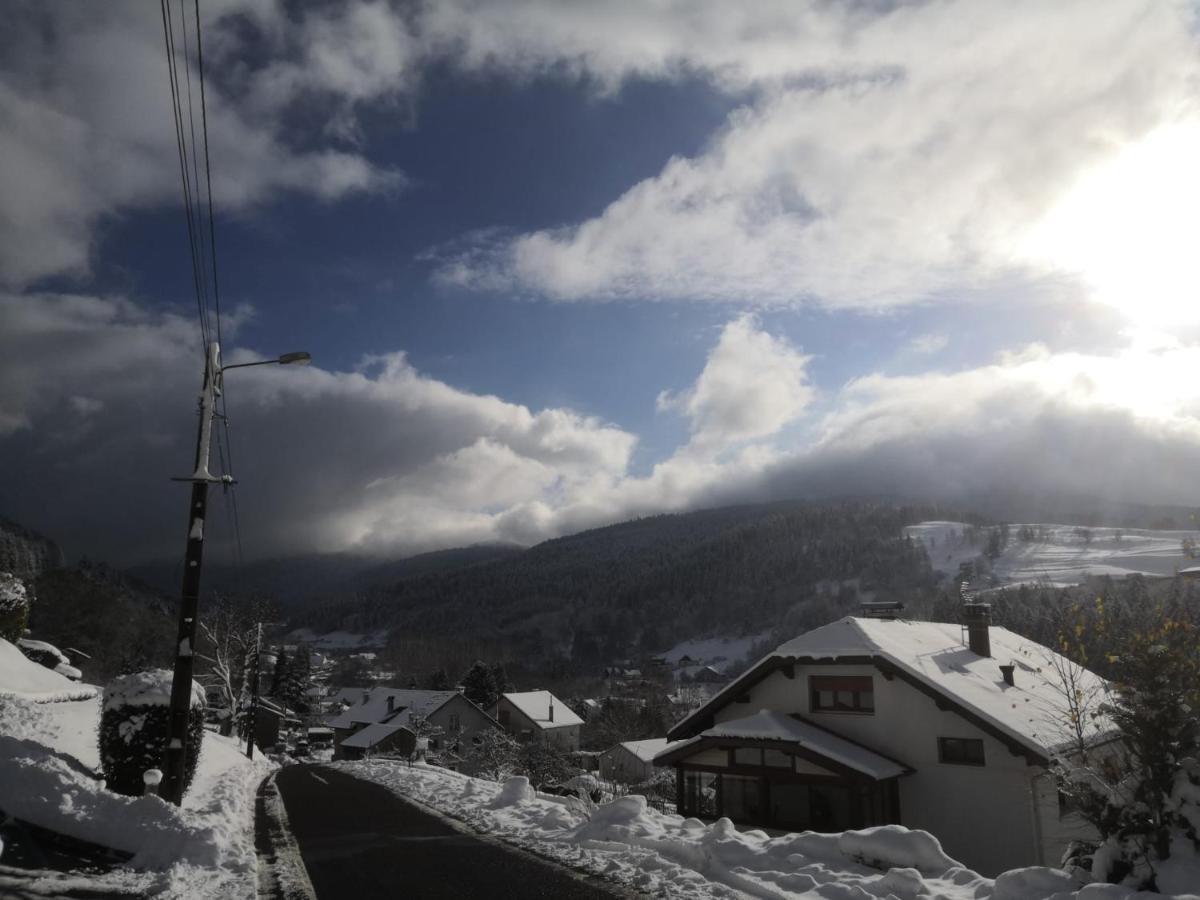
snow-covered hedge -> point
(14, 607)
(134, 728)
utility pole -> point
(185, 643)
(252, 719)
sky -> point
(560, 264)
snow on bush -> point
(14, 607)
(672, 856)
(135, 726)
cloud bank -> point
(387, 461)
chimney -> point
(1007, 672)
(978, 618)
(391, 704)
(881, 609)
(366, 696)
(551, 707)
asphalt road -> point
(360, 841)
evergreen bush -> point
(135, 725)
(14, 607)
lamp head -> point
(296, 358)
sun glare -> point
(1130, 228)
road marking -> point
(318, 777)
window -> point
(777, 759)
(747, 756)
(455, 722)
(842, 693)
(961, 751)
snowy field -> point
(1064, 554)
(338, 640)
(49, 754)
(670, 856)
(718, 652)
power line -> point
(187, 71)
(181, 145)
(212, 236)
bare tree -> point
(228, 633)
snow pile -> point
(672, 856)
(204, 849)
(21, 677)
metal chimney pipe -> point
(978, 619)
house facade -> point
(871, 721)
(382, 721)
(538, 715)
(631, 762)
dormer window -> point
(842, 693)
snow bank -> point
(671, 856)
(204, 849)
(21, 677)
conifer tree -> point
(479, 685)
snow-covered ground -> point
(337, 640)
(1062, 554)
(48, 778)
(676, 857)
(718, 652)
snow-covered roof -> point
(768, 725)
(1030, 712)
(375, 707)
(648, 749)
(535, 705)
(372, 735)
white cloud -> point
(86, 126)
(753, 384)
(933, 342)
(886, 154)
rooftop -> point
(1030, 712)
(768, 725)
(536, 706)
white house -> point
(538, 715)
(869, 721)
(382, 721)
(631, 762)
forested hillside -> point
(647, 584)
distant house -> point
(867, 721)
(709, 675)
(631, 762)
(271, 721)
(538, 715)
(382, 721)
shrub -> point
(135, 725)
(14, 607)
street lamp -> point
(185, 644)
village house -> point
(875, 720)
(384, 720)
(631, 762)
(538, 715)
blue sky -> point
(562, 264)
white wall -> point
(982, 815)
